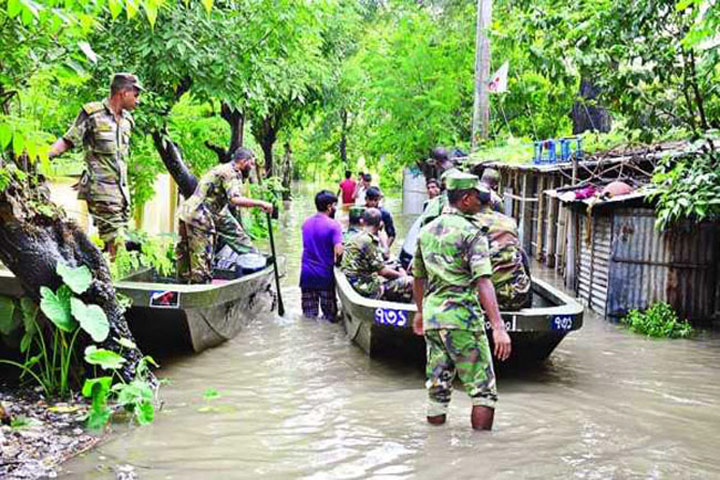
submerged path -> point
(298, 401)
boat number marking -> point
(164, 299)
(509, 326)
(389, 316)
(562, 322)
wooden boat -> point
(385, 328)
(168, 317)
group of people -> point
(103, 129)
(467, 266)
(468, 263)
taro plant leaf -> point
(57, 308)
(125, 343)
(78, 279)
(106, 359)
(98, 389)
(211, 394)
(8, 320)
(92, 319)
(137, 396)
(29, 313)
(145, 413)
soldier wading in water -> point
(206, 209)
(452, 272)
(103, 129)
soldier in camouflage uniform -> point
(491, 177)
(364, 265)
(452, 273)
(435, 206)
(200, 215)
(354, 223)
(103, 129)
(510, 276)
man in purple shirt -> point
(322, 245)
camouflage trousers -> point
(232, 234)
(375, 287)
(194, 253)
(458, 352)
(109, 217)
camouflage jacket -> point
(107, 146)
(433, 209)
(351, 231)
(509, 275)
(452, 254)
(211, 196)
(361, 262)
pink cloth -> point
(348, 188)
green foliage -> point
(105, 359)
(156, 252)
(56, 307)
(688, 186)
(92, 319)
(98, 389)
(78, 279)
(660, 320)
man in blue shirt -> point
(373, 196)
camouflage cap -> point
(448, 172)
(124, 80)
(464, 181)
(356, 210)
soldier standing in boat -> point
(103, 129)
(201, 212)
(452, 271)
(511, 272)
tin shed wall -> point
(679, 266)
(594, 256)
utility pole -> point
(481, 105)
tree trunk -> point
(172, 158)
(287, 171)
(586, 115)
(236, 119)
(32, 242)
(267, 140)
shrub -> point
(660, 320)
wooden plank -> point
(539, 219)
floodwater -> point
(298, 401)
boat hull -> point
(384, 328)
(169, 317)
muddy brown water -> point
(297, 400)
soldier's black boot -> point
(482, 417)
(437, 419)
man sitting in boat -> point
(364, 265)
(511, 273)
(490, 178)
(200, 213)
(355, 223)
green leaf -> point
(145, 413)
(29, 311)
(92, 319)
(131, 8)
(150, 13)
(78, 279)
(116, 7)
(5, 135)
(125, 343)
(89, 385)
(57, 309)
(208, 4)
(106, 359)
(13, 8)
(211, 394)
(18, 143)
(8, 321)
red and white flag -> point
(498, 82)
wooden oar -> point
(281, 306)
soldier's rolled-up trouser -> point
(194, 253)
(109, 217)
(398, 289)
(461, 352)
(232, 234)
